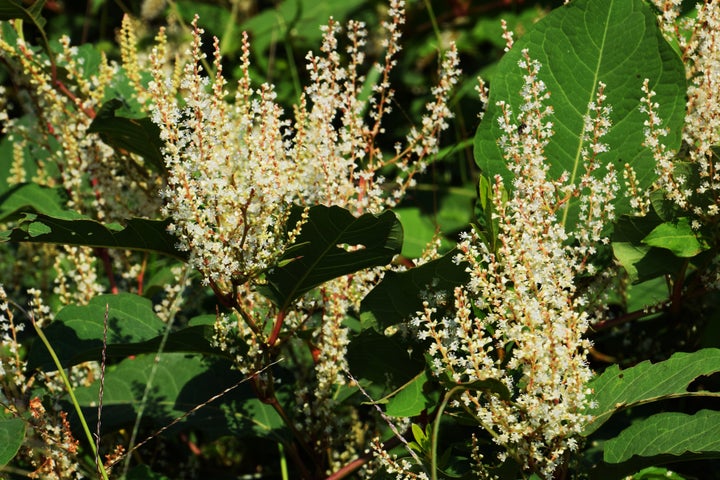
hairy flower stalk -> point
(521, 319)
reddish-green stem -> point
(275, 334)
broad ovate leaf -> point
(580, 44)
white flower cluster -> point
(12, 366)
(521, 319)
(698, 37)
(231, 184)
(237, 167)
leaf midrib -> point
(593, 91)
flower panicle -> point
(521, 319)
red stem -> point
(628, 317)
(141, 275)
(276, 328)
(104, 256)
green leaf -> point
(385, 362)
(321, 252)
(672, 433)
(258, 418)
(641, 261)
(646, 382)
(410, 400)
(135, 135)
(10, 9)
(656, 473)
(579, 44)
(71, 349)
(650, 292)
(678, 237)
(422, 228)
(12, 435)
(487, 214)
(30, 197)
(399, 296)
(137, 234)
(78, 330)
(181, 383)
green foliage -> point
(192, 365)
(670, 433)
(617, 389)
(135, 135)
(400, 295)
(31, 197)
(180, 383)
(12, 436)
(579, 45)
(374, 359)
(655, 473)
(678, 237)
(78, 333)
(137, 234)
(332, 243)
(640, 259)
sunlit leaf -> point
(30, 197)
(678, 237)
(580, 44)
(646, 382)
(672, 433)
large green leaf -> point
(12, 435)
(255, 418)
(387, 364)
(137, 234)
(422, 227)
(136, 135)
(665, 433)
(30, 197)
(399, 296)
(133, 329)
(410, 400)
(332, 243)
(181, 383)
(579, 44)
(40, 216)
(646, 382)
(77, 332)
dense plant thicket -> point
(224, 257)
